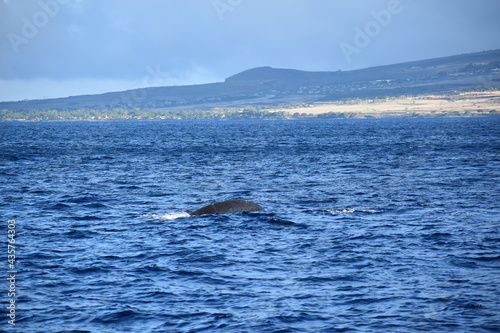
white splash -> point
(341, 211)
(351, 211)
(168, 216)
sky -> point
(59, 48)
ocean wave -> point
(352, 211)
(168, 216)
(333, 242)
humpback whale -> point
(230, 206)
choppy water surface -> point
(369, 225)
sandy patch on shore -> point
(468, 104)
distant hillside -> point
(283, 77)
(266, 86)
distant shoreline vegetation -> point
(138, 114)
(121, 114)
(359, 108)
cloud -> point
(116, 40)
(41, 88)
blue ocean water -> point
(374, 225)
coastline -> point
(485, 103)
(465, 104)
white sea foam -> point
(168, 216)
(351, 211)
(341, 211)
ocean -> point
(369, 225)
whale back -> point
(230, 206)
